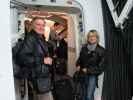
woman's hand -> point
(84, 70)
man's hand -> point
(47, 60)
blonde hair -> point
(93, 33)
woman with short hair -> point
(90, 62)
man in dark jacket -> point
(36, 55)
(90, 62)
(62, 47)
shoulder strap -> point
(43, 46)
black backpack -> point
(63, 89)
(78, 79)
(18, 70)
(16, 49)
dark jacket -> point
(35, 48)
(62, 49)
(92, 60)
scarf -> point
(91, 47)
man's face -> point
(55, 27)
(38, 26)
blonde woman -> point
(90, 62)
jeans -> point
(89, 87)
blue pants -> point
(89, 87)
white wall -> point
(21, 17)
(93, 16)
(6, 74)
(47, 2)
(13, 24)
(15, 16)
(13, 20)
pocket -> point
(42, 85)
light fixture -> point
(53, 0)
(33, 0)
